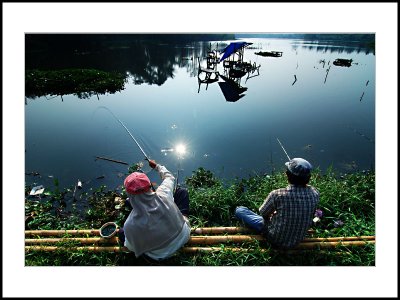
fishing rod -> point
(177, 176)
(283, 149)
(141, 149)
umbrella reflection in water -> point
(231, 89)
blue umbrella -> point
(232, 48)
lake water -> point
(319, 111)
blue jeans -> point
(181, 199)
(250, 218)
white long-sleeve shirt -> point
(155, 225)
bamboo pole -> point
(94, 240)
(193, 240)
(341, 238)
(297, 250)
(236, 249)
(325, 245)
(200, 230)
(217, 230)
(209, 240)
(246, 238)
(216, 239)
(91, 249)
(96, 232)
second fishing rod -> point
(283, 149)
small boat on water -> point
(341, 62)
(270, 53)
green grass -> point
(349, 199)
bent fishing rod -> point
(283, 149)
(141, 149)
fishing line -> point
(141, 149)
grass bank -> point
(347, 206)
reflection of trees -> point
(336, 46)
(151, 63)
(349, 42)
(338, 49)
(145, 57)
(193, 52)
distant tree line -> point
(356, 37)
(81, 42)
(90, 42)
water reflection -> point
(164, 76)
(206, 78)
(232, 89)
(234, 68)
(133, 60)
(326, 46)
(209, 73)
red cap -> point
(137, 183)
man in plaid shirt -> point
(287, 213)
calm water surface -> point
(319, 111)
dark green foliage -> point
(134, 168)
(81, 82)
(201, 178)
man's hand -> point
(152, 163)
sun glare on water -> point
(180, 149)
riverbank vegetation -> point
(83, 83)
(347, 208)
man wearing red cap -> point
(287, 213)
(158, 224)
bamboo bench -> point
(200, 240)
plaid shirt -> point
(288, 214)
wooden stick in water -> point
(113, 160)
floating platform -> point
(343, 62)
(270, 53)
